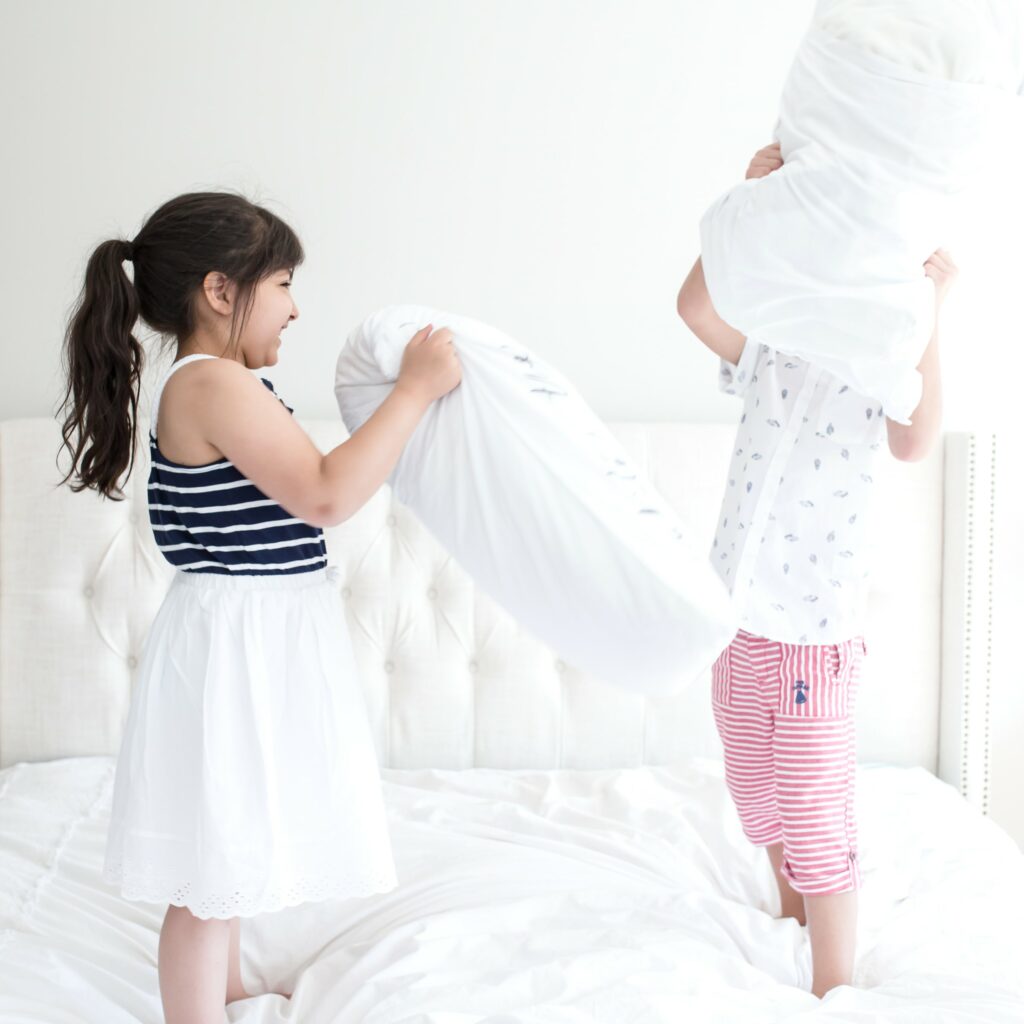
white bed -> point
(566, 852)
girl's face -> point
(272, 311)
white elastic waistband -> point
(280, 581)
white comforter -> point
(538, 896)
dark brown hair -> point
(183, 241)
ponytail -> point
(102, 364)
(174, 250)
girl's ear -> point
(219, 292)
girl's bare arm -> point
(911, 442)
(238, 416)
(694, 303)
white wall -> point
(538, 163)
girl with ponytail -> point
(247, 778)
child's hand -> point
(765, 161)
(430, 366)
(943, 271)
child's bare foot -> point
(236, 990)
(236, 995)
(799, 916)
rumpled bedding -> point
(538, 897)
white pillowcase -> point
(531, 494)
(824, 258)
(975, 41)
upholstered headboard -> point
(450, 680)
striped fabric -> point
(785, 716)
(212, 519)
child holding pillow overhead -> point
(791, 545)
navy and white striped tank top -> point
(212, 519)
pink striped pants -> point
(785, 715)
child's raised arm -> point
(250, 427)
(694, 306)
(694, 303)
(912, 442)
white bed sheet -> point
(538, 896)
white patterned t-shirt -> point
(791, 537)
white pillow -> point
(824, 258)
(961, 40)
(523, 484)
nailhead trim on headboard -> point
(978, 596)
(965, 745)
(987, 760)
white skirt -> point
(247, 779)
